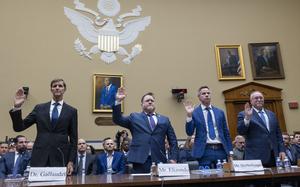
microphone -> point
(62, 155)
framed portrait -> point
(230, 64)
(266, 62)
(105, 87)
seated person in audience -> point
(125, 148)
(290, 150)
(84, 161)
(297, 142)
(120, 137)
(185, 154)
(11, 147)
(239, 148)
(3, 148)
(14, 163)
(90, 149)
(110, 162)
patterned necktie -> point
(210, 123)
(151, 121)
(17, 165)
(80, 164)
(54, 116)
(262, 116)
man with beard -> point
(15, 163)
(239, 148)
(148, 130)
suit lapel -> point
(158, 121)
(47, 115)
(147, 126)
(201, 118)
(104, 158)
(270, 120)
(218, 124)
(256, 118)
(62, 114)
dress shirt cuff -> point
(16, 109)
(247, 122)
(189, 119)
(117, 103)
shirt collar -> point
(204, 107)
(84, 154)
(256, 110)
(61, 102)
(154, 113)
(111, 154)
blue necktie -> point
(151, 121)
(262, 116)
(54, 116)
(17, 165)
(210, 123)
(80, 164)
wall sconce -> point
(179, 93)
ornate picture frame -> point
(266, 62)
(105, 87)
(230, 64)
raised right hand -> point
(120, 96)
(19, 98)
(189, 108)
(248, 111)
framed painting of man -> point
(105, 87)
(266, 62)
(230, 65)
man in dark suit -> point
(56, 123)
(149, 130)
(110, 162)
(290, 150)
(15, 163)
(3, 148)
(84, 162)
(261, 130)
(108, 94)
(212, 140)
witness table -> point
(269, 177)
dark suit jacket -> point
(144, 139)
(198, 123)
(118, 163)
(7, 163)
(89, 164)
(59, 143)
(259, 141)
(294, 155)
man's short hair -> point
(16, 139)
(149, 93)
(58, 80)
(296, 132)
(104, 140)
(285, 133)
(202, 87)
